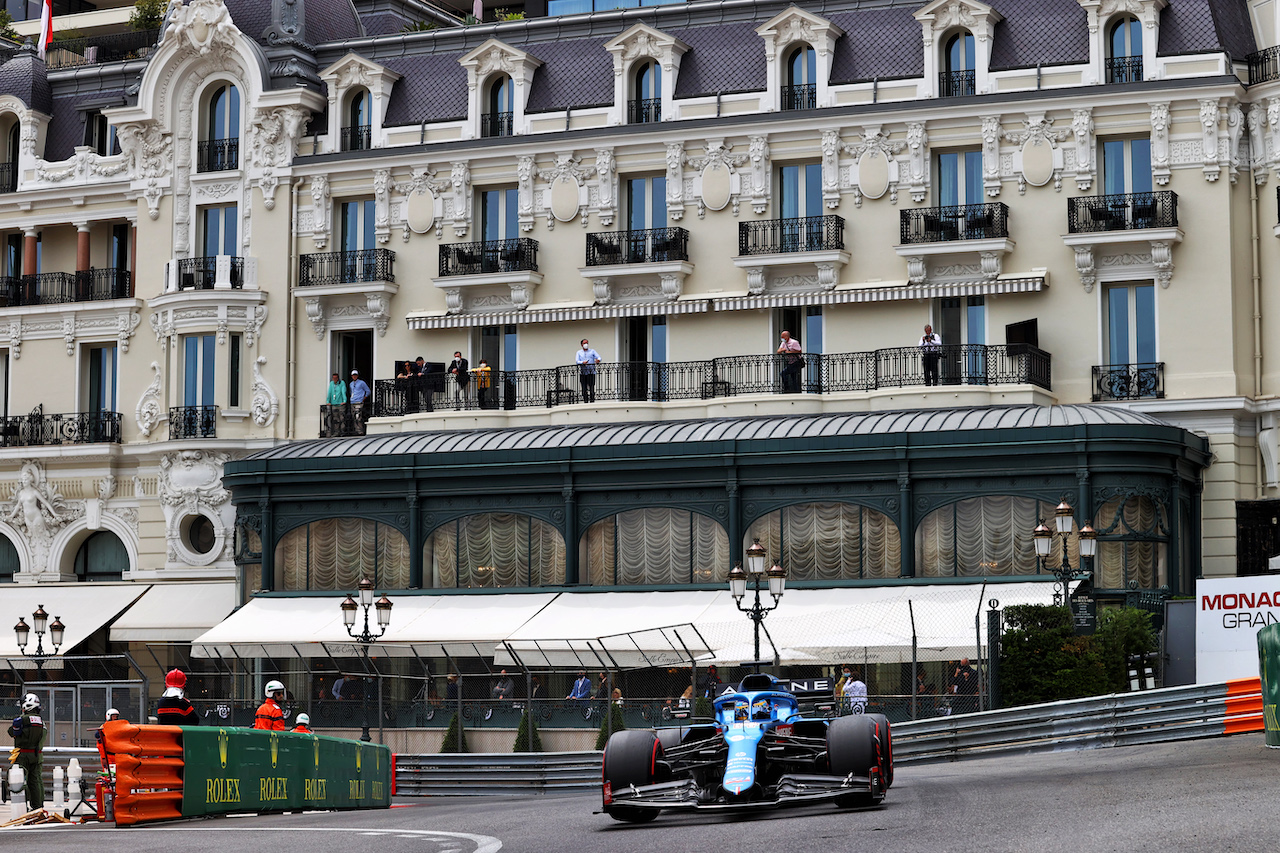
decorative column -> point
(415, 543)
(83, 284)
(570, 533)
(1175, 535)
(735, 519)
(29, 254)
(268, 539)
(906, 525)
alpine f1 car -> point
(759, 751)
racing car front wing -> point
(790, 789)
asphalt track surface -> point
(1207, 795)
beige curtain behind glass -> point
(495, 550)
(830, 541)
(341, 552)
(1121, 562)
(656, 545)
(987, 536)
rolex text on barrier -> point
(245, 770)
(1269, 668)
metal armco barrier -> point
(167, 772)
(1122, 719)
(447, 775)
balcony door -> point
(198, 370)
(644, 342)
(353, 350)
(962, 323)
(800, 197)
(1130, 324)
(646, 209)
(1126, 166)
(499, 214)
(218, 226)
(358, 240)
(959, 180)
(100, 378)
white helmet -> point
(273, 687)
(112, 714)
(31, 702)
(304, 720)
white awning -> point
(427, 626)
(82, 607)
(175, 612)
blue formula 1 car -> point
(759, 751)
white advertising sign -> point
(1229, 613)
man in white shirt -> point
(587, 359)
(931, 351)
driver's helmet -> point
(740, 711)
(761, 709)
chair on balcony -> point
(1105, 218)
(979, 226)
(608, 254)
(467, 260)
(509, 258)
(1144, 214)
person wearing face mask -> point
(587, 359)
(852, 692)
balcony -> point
(1133, 212)
(644, 110)
(651, 246)
(952, 224)
(496, 274)
(8, 177)
(1128, 381)
(340, 422)
(1264, 66)
(193, 422)
(489, 256)
(361, 266)
(40, 430)
(217, 155)
(101, 49)
(1124, 69)
(358, 138)
(966, 365)
(58, 288)
(955, 84)
(797, 242)
(211, 272)
(802, 97)
(497, 124)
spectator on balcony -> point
(484, 380)
(337, 391)
(408, 370)
(930, 352)
(790, 350)
(587, 359)
(458, 369)
(359, 396)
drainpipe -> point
(1256, 282)
(291, 372)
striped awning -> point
(555, 314)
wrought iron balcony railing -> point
(56, 288)
(1264, 65)
(357, 138)
(8, 177)
(193, 422)
(802, 234)
(969, 364)
(99, 50)
(652, 245)
(217, 155)
(956, 84)
(489, 256)
(37, 429)
(1124, 69)
(497, 124)
(340, 421)
(1128, 381)
(959, 222)
(802, 97)
(202, 273)
(1131, 212)
(361, 265)
(644, 110)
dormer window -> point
(1124, 50)
(800, 92)
(9, 168)
(646, 106)
(958, 78)
(498, 119)
(219, 150)
(357, 133)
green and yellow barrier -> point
(1269, 667)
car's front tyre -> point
(853, 748)
(630, 758)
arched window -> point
(356, 134)
(646, 106)
(655, 545)
(494, 549)
(8, 560)
(1124, 50)
(800, 89)
(958, 78)
(219, 150)
(9, 168)
(988, 536)
(335, 553)
(500, 108)
(830, 541)
(1133, 544)
(101, 557)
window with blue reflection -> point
(959, 178)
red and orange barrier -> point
(1244, 706)
(149, 766)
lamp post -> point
(40, 621)
(777, 584)
(1064, 521)
(366, 637)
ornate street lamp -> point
(1064, 521)
(366, 637)
(776, 584)
(41, 625)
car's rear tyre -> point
(630, 758)
(886, 747)
(852, 748)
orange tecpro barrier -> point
(1244, 706)
(148, 773)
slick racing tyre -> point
(852, 749)
(886, 747)
(630, 758)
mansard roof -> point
(325, 20)
(23, 76)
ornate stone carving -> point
(190, 483)
(1257, 118)
(761, 177)
(717, 155)
(273, 134)
(1235, 133)
(1085, 267)
(873, 140)
(918, 157)
(1162, 258)
(315, 313)
(379, 307)
(39, 511)
(1160, 142)
(1082, 131)
(991, 155)
(205, 25)
(606, 200)
(1209, 116)
(460, 183)
(567, 166)
(381, 205)
(320, 210)
(675, 181)
(149, 412)
(263, 403)
(253, 324)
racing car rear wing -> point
(818, 691)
